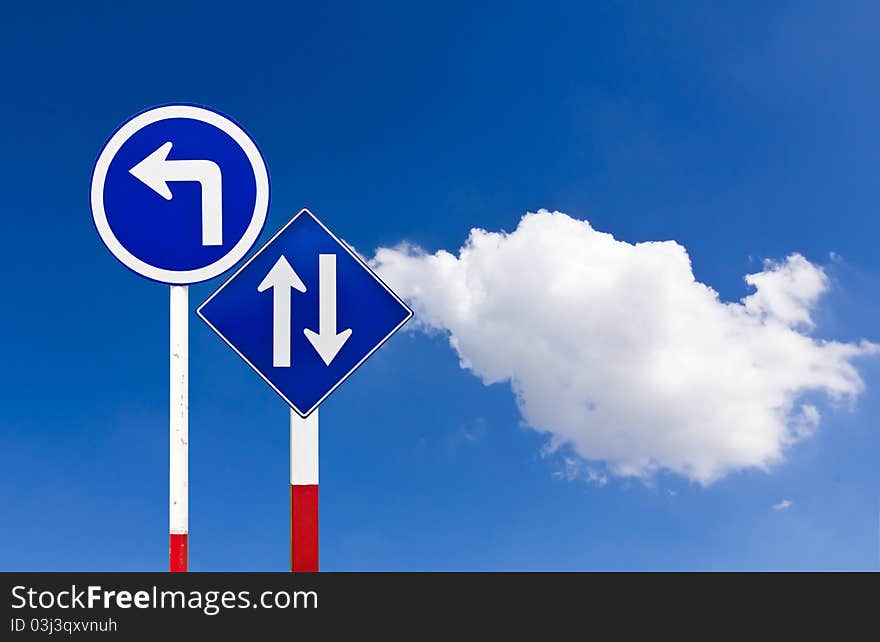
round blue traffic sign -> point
(179, 194)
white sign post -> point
(178, 500)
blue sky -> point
(742, 132)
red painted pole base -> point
(304, 528)
(178, 553)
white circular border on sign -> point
(261, 204)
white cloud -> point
(787, 291)
(785, 504)
(597, 477)
(619, 354)
(572, 469)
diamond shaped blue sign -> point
(304, 312)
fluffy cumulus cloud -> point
(621, 356)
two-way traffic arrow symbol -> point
(282, 279)
(156, 171)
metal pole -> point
(179, 425)
(304, 493)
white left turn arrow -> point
(282, 279)
(325, 341)
(156, 171)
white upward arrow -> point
(325, 341)
(282, 279)
(156, 171)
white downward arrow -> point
(325, 341)
(156, 171)
(282, 279)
